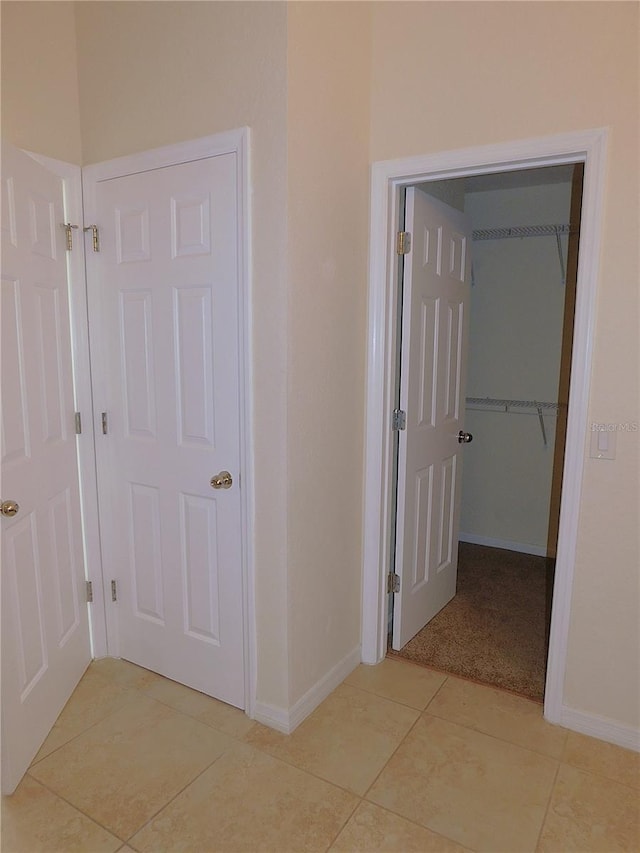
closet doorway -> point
(389, 178)
(525, 230)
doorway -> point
(524, 227)
(388, 178)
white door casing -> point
(388, 178)
(164, 301)
(435, 332)
(45, 630)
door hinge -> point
(114, 591)
(103, 421)
(69, 229)
(89, 592)
(403, 243)
(398, 420)
(393, 582)
(94, 236)
(78, 423)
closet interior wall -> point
(517, 308)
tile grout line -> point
(492, 736)
(344, 823)
(35, 762)
(125, 841)
(102, 720)
(372, 692)
(171, 799)
(231, 737)
(426, 713)
(236, 741)
(186, 713)
(163, 678)
(446, 678)
(402, 740)
(289, 763)
(420, 825)
(479, 731)
(546, 811)
(397, 814)
(603, 777)
(76, 808)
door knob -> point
(9, 508)
(464, 437)
(223, 480)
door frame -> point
(388, 177)
(102, 617)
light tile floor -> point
(398, 758)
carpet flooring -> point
(495, 629)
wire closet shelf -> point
(532, 407)
(521, 231)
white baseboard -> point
(287, 721)
(321, 689)
(522, 547)
(600, 727)
(272, 716)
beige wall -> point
(171, 71)
(40, 110)
(454, 75)
(443, 75)
(328, 132)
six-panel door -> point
(435, 323)
(45, 633)
(163, 295)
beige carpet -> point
(495, 629)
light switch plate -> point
(603, 442)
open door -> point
(45, 630)
(435, 327)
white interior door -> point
(163, 294)
(435, 323)
(45, 632)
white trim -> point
(72, 182)
(272, 716)
(247, 443)
(601, 727)
(386, 179)
(322, 688)
(287, 721)
(520, 547)
(232, 142)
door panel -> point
(164, 301)
(434, 337)
(45, 631)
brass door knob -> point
(223, 480)
(9, 508)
